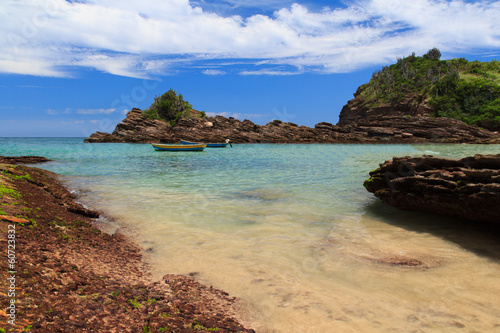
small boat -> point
(209, 145)
(179, 147)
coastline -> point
(398, 128)
(67, 275)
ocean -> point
(290, 231)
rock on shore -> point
(70, 277)
(23, 159)
(467, 188)
(394, 127)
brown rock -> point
(384, 124)
(467, 188)
(71, 277)
(409, 121)
(23, 159)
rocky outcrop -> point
(134, 128)
(137, 128)
(23, 159)
(405, 128)
(358, 109)
(468, 188)
(382, 128)
(409, 121)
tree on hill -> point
(170, 107)
(433, 54)
(456, 88)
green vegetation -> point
(456, 88)
(169, 107)
(8, 191)
(197, 326)
(135, 303)
(15, 177)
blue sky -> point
(70, 68)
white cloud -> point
(82, 111)
(95, 111)
(140, 39)
(268, 72)
(213, 72)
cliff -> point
(467, 188)
(393, 127)
(429, 87)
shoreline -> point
(67, 275)
(398, 128)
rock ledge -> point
(467, 188)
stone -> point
(466, 188)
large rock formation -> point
(467, 188)
(358, 109)
(391, 128)
(137, 128)
(411, 119)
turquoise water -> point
(290, 230)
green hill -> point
(457, 88)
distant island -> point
(416, 100)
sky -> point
(73, 67)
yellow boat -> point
(178, 147)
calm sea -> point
(291, 231)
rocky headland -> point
(67, 276)
(417, 100)
(467, 188)
(392, 125)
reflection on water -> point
(290, 230)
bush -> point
(433, 54)
(170, 107)
(475, 102)
(151, 114)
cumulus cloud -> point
(140, 39)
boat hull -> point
(209, 145)
(178, 147)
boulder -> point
(467, 188)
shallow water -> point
(291, 231)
